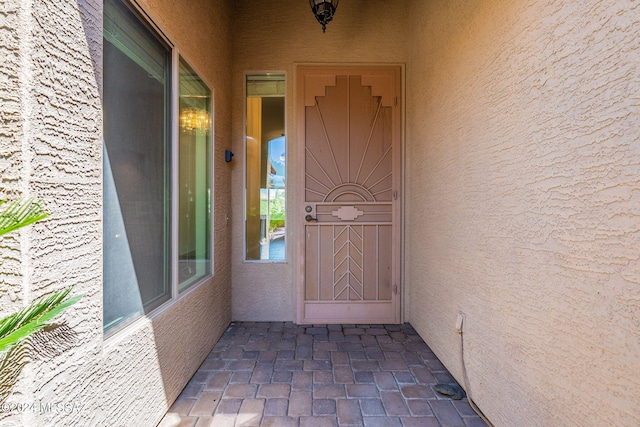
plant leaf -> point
(20, 213)
(31, 312)
(20, 325)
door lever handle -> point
(309, 218)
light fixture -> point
(324, 11)
(194, 120)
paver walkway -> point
(280, 374)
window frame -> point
(173, 164)
(286, 260)
(175, 176)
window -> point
(266, 153)
(143, 266)
(194, 178)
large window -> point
(266, 153)
(144, 266)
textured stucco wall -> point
(11, 121)
(184, 333)
(273, 38)
(523, 135)
(50, 148)
(164, 353)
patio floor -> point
(280, 374)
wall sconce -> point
(324, 11)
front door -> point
(349, 127)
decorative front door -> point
(349, 127)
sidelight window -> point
(266, 155)
(194, 194)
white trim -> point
(403, 295)
(174, 164)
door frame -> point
(296, 211)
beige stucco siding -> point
(178, 338)
(522, 196)
(273, 39)
(523, 206)
(12, 33)
(50, 148)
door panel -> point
(349, 122)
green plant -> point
(275, 224)
(18, 326)
(15, 328)
(20, 213)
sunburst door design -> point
(350, 123)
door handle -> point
(309, 218)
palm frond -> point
(33, 311)
(20, 213)
(30, 319)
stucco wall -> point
(11, 119)
(50, 148)
(272, 39)
(178, 339)
(524, 204)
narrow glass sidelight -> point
(265, 163)
(194, 178)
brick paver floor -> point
(280, 374)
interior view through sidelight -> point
(266, 152)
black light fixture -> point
(323, 11)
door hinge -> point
(395, 195)
(395, 101)
(395, 289)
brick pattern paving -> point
(279, 374)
